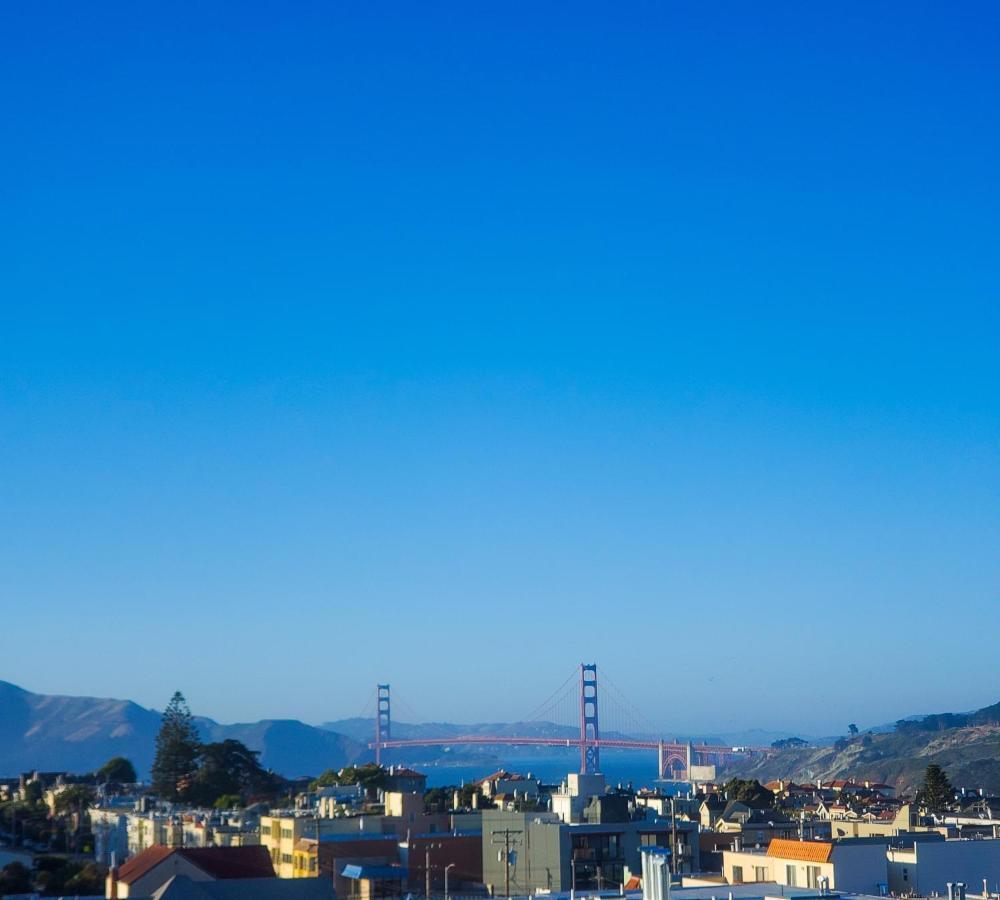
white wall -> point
(938, 862)
(859, 867)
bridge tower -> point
(383, 720)
(590, 751)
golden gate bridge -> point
(675, 759)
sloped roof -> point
(216, 862)
(141, 863)
(803, 851)
(180, 887)
(231, 862)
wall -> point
(933, 864)
(859, 866)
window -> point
(737, 874)
(812, 876)
(760, 873)
(286, 857)
(790, 876)
(286, 833)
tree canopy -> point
(117, 769)
(177, 749)
(369, 776)
(228, 769)
(75, 798)
(750, 791)
(788, 743)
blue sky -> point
(451, 345)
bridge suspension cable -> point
(555, 703)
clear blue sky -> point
(451, 344)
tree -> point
(936, 792)
(76, 798)
(177, 749)
(229, 767)
(853, 729)
(89, 881)
(15, 878)
(370, 776)
(438, 799)
(751, 792)
(117, 769)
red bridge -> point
(675, 759)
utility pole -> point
(673, 837)
(507, 833)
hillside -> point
(78, 734)
(967, 745)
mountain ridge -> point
(59, 732)
(966, 745)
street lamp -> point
(446, 868)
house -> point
(362, 850)
(930, 862)
(711, 810)
(510, 783)
(755, 826)
(368, 882)
(404, 780)
(885, 823)
(181, 887)
(854, 866)
(154, 867)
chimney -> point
(655, 874)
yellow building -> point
(292, 855)
(305, 858)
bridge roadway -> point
(610, 743)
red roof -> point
(216, 862)
(141, 863)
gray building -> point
(549, 854)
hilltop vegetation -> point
(967, 745)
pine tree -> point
(177, 749)
(936, 793)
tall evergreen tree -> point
(936, 793)
(177, 749)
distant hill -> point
(79, 734)
(967, 745)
